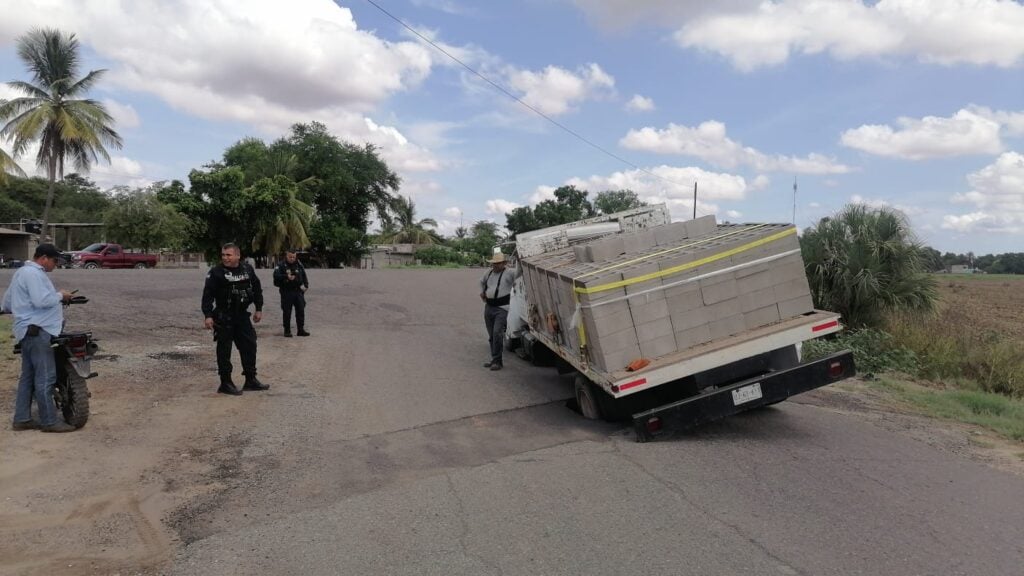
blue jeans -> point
(38, 375)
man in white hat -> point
(495, 291)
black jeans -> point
(293, 299)
(495, 317)
(237, 330)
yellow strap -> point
(668, 251)
(687, 266)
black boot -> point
(227, 386)
(287, 331)
(251, 383)
(302, 332)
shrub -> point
(873, 351)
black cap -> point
(48, 250)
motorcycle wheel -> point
(72, 398)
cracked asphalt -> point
(384, 447)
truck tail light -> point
(835, 369)
(654, 424)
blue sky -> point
(909, 104)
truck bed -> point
(706, 356)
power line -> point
(506, 92)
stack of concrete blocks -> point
(701, 283)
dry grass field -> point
(984, 303)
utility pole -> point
(695, 200)
(794, 200)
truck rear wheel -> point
(586, 398)
(140, 265)
(90, 266)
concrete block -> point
(601, 310)
(796, 307)
(678, 287)
(727, 326)
(718, 288)
(788, 268)
(754, 282)
(652, 286)
(659, 347)
(691, 337)
(761, 317)
(648, 312)
(791, 289)
(669, 234)
(687, 319)
(757, 299)
(684, 297)
(700, 226)
(723, 309)
(653, 330)
(605, 249)
(616, 341)
(617, 319)
(753, 269)
(619, 359)
(638, 241)
(580, 252)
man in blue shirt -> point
(38, 316)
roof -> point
(10, 232)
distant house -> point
(963, 269)
(389, 255)
(15, 245)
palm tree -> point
(288, 230)
(409, 230)
(8, 165)
(52, 112)
(866, 262)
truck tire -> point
(586, 397)
(90, 265)
(140, 266)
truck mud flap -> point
(752, 393)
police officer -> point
(290, 277)
(229, 291)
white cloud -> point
(753, 33)
(997, 192)
(1012, 123)
(640, 103)
(453, 212)
(710, 143)
(266, 64)
(499, 207)
(542, 193)
(121, 171)
(964, 133)
(555, 91)
(733, 214)
(124, 114)
(882, 203)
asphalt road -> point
(383, 447)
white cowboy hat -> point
(497, 258)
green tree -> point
(408, 230)
(612, 201)
(282, 220)
(569, 205)
(8, 165)
(52, 111)
(139, 219)
(865, 262)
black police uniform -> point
(227, 295)
(292, 295)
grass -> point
(9, 363)
(995, 412)
(978, 277)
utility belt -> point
(33, 330)
(500, 301)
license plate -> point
(746, 394)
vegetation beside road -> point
(964, 361)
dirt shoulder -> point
(856, 397)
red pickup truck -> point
(102, 255)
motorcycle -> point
(72, 353)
